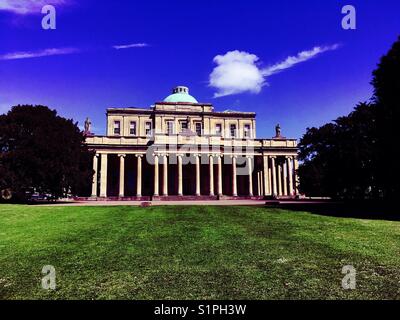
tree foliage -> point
(354, 157)
(386, 82)
(42, 150)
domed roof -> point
(180, 94)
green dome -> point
(180, 94)
(179, 97)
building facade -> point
(182, 149)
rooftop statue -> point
(88, 126)
(278, 131)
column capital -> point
(273, 157)
(96, 155)
(121, 155)
(138, 155)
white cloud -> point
(239, 71)
(37, 54)
(29, 6)
(132, 45)
(236, 72)
(293, 60)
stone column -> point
(290, 173)
(279, 179)
(285, 178)
(211, 175)
(165, 175)
(258, 184)
(270, 179)
(234, 178)
(180, 178)
(139, 176)
(197, 175)
(156, 177)
(273, 174)
(95, 169)
(295, 176)
(267, 187)
(261, 184)
(220, 175)
(250, 172)
(121, 175)
(103, 176)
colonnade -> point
(276, 177)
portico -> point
(271, 176)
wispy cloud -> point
(129, 46)
(300, 57)
(59, 51)
(37, 54)
(29, 6)
(238, 71)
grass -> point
(194, 253)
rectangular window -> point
(184, 126)
(247, 131)
(148, 128)
(198, 128)
(233, 130)
(170, 127)
(218, 129)
(117, 127)
(132, 128)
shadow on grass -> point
(374, 210)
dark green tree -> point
(42, 150)
(354, 157)
(338, 158)
(386, 82)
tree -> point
(354, 157)
(42, 150)
(338, 158)
(386, 82)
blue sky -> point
(77, 70)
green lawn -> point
(194, 253)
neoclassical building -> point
(182, 149)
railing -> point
(161, 139)
(102, 140)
